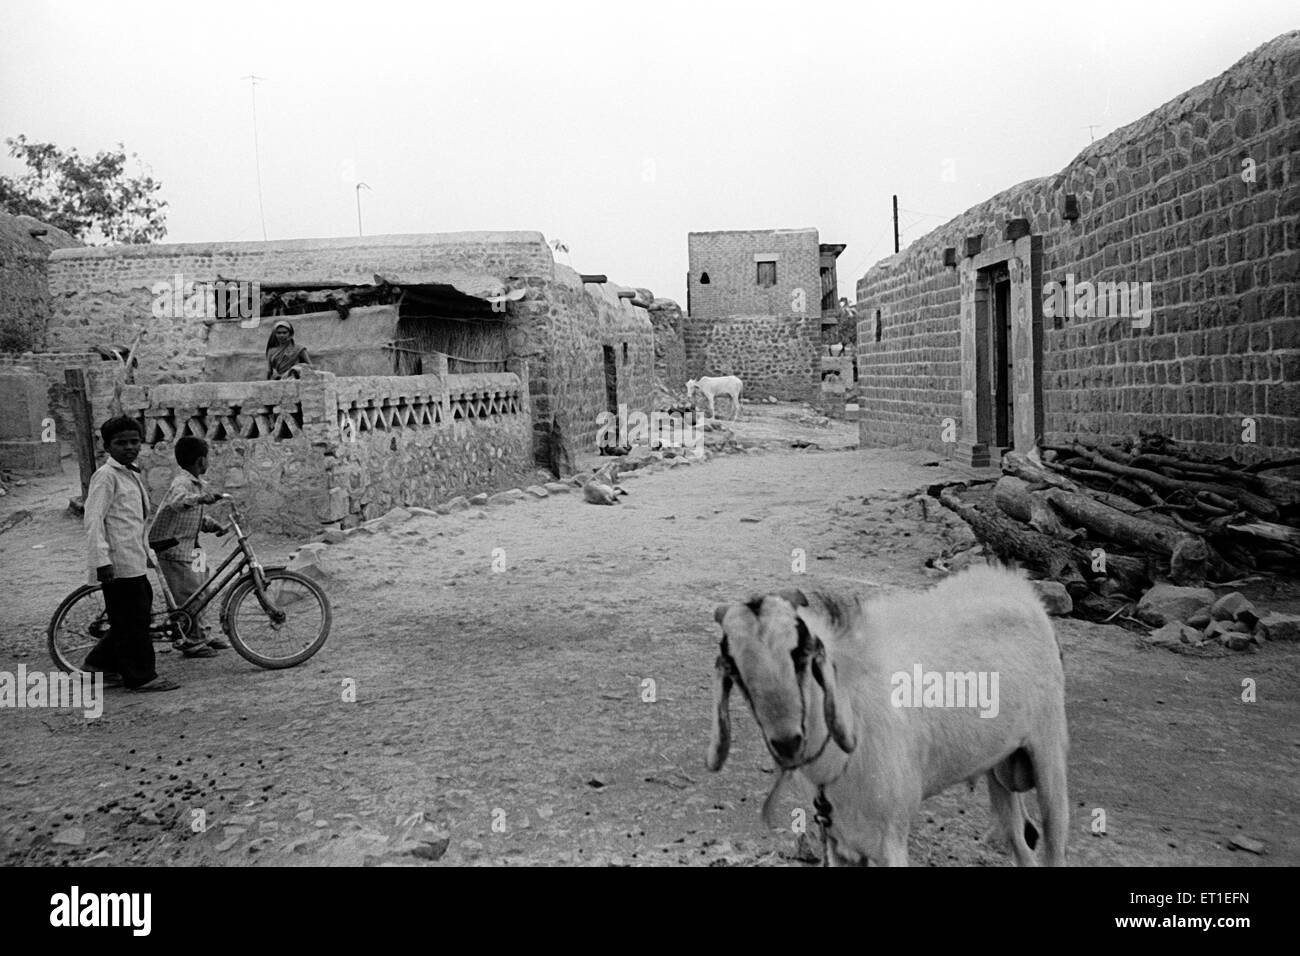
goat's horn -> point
(720, 743)
(839, 718)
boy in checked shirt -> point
(175, 537)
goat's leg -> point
(893, 848)
(1053, 804)
(1009, 813)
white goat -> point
(711, 388)
(823, 679)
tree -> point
(93, 200)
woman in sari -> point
(283, 356)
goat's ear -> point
(720, 612)
(794, 596)
(839, 715)
(720, 742)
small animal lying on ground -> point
(602, 488)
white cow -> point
(711, 388)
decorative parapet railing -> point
(216, 411)
(484, 395)
(278, 411)
(423, 401)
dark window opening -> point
(766, 274)
(625, 356)
(704, 278)
(878, 323)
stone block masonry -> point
(560, 329)
(1201, 198)
(767, 334)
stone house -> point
(446, 363)
(760, 304)
(1151, 285)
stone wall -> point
(668, 324)
(303, 454)
(732, 289)
(1201, 198)
(773, 355)
(101, 377)
(25, 247)
(767, 336)
(570, 325)
(554, 323)
(105, 295)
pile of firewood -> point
(1108, 522)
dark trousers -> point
(127, 649)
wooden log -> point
(1187, 554)
(1058, 560)
(79, 405)
(1015, 498)
(1025, 468)
(1248, 500)
(1267, 531)
(1268, 465)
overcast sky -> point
(615, 127)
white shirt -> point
(116, 520)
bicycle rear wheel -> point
(77, 626)
(258, 639)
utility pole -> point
(253, 80)
(359, 185)
(895, 224)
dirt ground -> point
(503, 717)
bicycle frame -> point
(235, 562)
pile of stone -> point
(1193, 616)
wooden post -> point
(79, 403)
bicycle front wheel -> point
(265, 643)
(76, 627)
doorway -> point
(611, 380)
(1003, 401)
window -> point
(877, 325)
(704, 278)
(766, 274)
(625, 359)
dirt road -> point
(557, 711)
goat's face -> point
(780, 666)
(690, 387)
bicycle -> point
(290, 607)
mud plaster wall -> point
(1161, 200)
